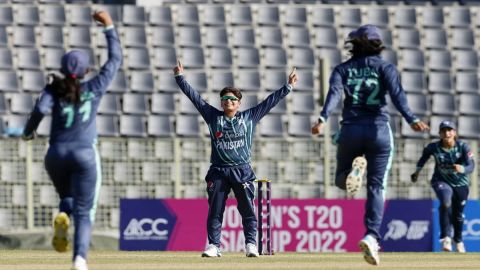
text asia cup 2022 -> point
(312, 225)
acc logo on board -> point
(146, 229)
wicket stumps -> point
(262, 216)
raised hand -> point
(102, 17)
(293, 78)
(178, 69)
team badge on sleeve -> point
(470, 154)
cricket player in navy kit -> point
(453, 163)
(231, 134)
(365, 141)
(72, 160)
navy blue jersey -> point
(231, 139)
(366, 81)
(444, 160)
(77, 122)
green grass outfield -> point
(117, 260)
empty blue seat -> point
(303, 103)
(469, 104)
(192, 57)
(9, 81)
(242, 37)
(24, 36)
(412, 59)
(432, 17)
(189, 14)
(133, 126)
(299, 125)
(404, 17)
(135, 104)
(165, 57)
(188, 36)
(468, 127)
(6, 61)
(163, 103)
(213, 15)
(219, 58)
(301, 58)
(418, 103)
(166, 82)
(407, 38)
(142, 81)
(457, 17)
(462, 38)
(307, 83)
(159, 15)
(443, 104)
(271, 125)
(215, 37)
(434, 39)
(440, 82)
(413, 81)
(187, 126)
(162, 36)
(239, 14)
(248, 79)
(270, 36)
(160, 126)
(79, 36)
(350, 17)
(119, 83)
(248, 101)
(134, 36)
(26, 15)
(439, 60)
(51, 37)
(465, 60)
(28, 58)
(138, 58)
(273, 79)
(322, 16)
(53, 15)
(247, 57)
(325, 37)
(274, 58)
(134, 15)
(221, 79)
(79, 15)
(466, 82)
(21, 103)
(197, 80)
(377, 16)
(6, 15)
(267, 15)
(110, 104)
(33, 80)
(294, 15)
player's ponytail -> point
(67, 88)
(362, 46)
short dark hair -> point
(363, 46)
(235, 91)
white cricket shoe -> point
(79, 263)
(446, 244)
(60, 241)
(212, 251)
(460, 247)
(251, 250)
(370, 247)
(355, 177)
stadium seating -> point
(249, 44)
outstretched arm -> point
(259, 111)
(110, 68)
(205, 109)
(399, 99)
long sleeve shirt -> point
(77, 122)
(366, 81)
(231, 138)
(444, 160)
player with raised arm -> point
(453, 163)
(231, 135)
(72, 160)
(365, 141)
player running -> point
(365, 141)
(72, 160)
(231, 134)
(453, 163)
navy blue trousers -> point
(452, 202)
(75, 173)
(220, 180)
(375, 141)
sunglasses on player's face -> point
(232, 98)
